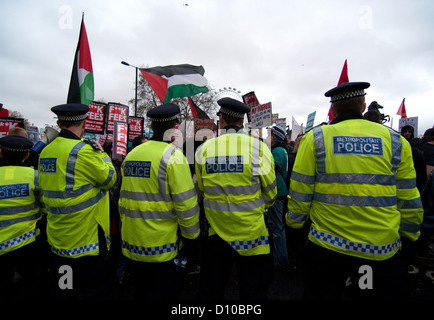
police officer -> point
(75, 175)
(235, 174)
(158, 203)
(355, 180)
(20, 210)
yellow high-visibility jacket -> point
(356, 182)
(74, 179)
(157, 200)
(19, 207)
(235, 173)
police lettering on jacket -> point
(369, 146)
(14, 191)
(47, 165)
(138, 169)
(224, 164)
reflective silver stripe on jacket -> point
(233, 207)
(78, 207)
(69, 191)
(17, 240)
(149, 251)
(347, 178)
(348, 245)
(9, 222)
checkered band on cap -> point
(72, 118)
(22, 150)
(164, 119)
(231, 113)
(348, 95)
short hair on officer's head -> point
(161, 127)
(69, 124)
(13, 156)
(353, 104)
(232, 121)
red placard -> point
(251, 101)
(120, 140)
(8, 123)
(116, 112)
(135, 126)
(96, 118)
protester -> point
(276, 213)
(235, 174)
(407, 132)
(355, 181)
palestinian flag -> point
(81, 85)
(182, 80)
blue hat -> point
(279, 133)
(17, 144)
(232, 108)
(71, 112)
(347, 90)
(164, 113)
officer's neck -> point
(69, 134)
(232, 128)
(347, 116)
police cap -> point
(71, 112)
(164, 113)
(232, 107)
(17, 144)
(347, 90)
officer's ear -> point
(364, 107)
(333, 111)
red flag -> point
(343, 78)
(401, 111)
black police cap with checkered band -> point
(232, 108)
(347, 90)
(71, 112)
(17, 144)
(164, 113)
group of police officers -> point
(353, 182)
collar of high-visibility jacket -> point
(65, 133)
(347, 116)
(157, 137)
(4, 163)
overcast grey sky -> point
(288, 52)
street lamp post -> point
(137, 74)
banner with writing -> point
(261, 115)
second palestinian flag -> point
(81, 89)
(183, 80)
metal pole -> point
(135, 108)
